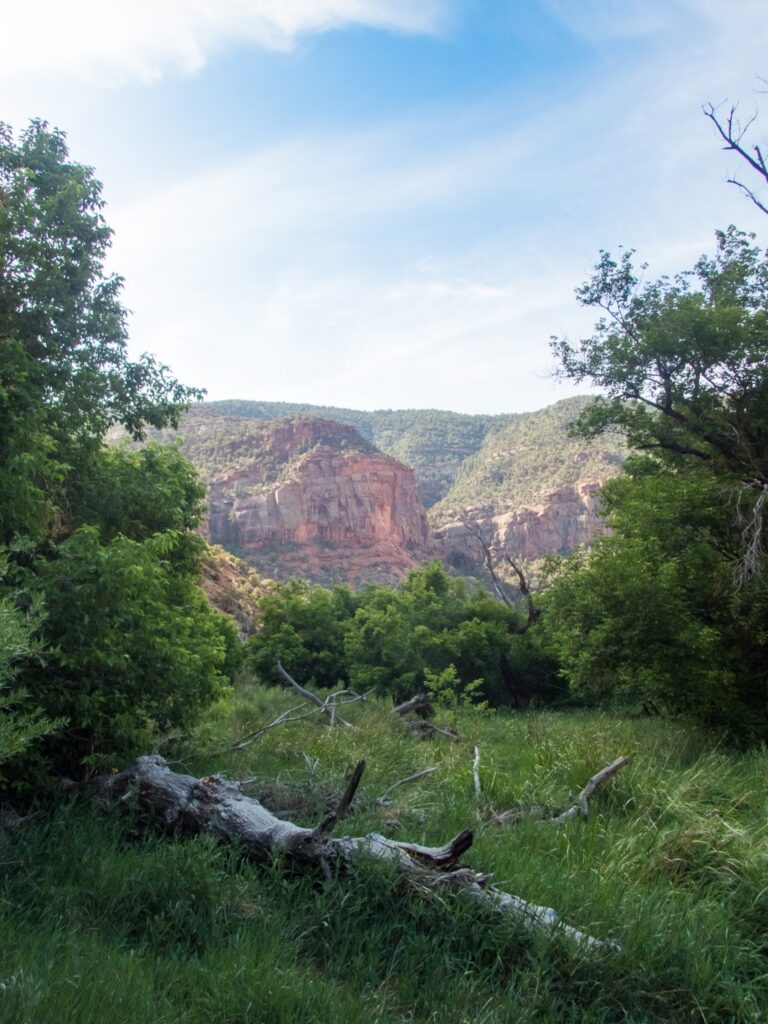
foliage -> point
(96, 537)
(136, 492)
(303, 626)
(66, 376)
(682, 361)
(135, 647)
(21, 724)
(673, 606)
(392, 640)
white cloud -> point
(426, 261)
(115, 41)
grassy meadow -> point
(102, 923)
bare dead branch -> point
(327, 706)
(485, 545)
(427, 730)
(218, 808)
(420, 705)
(732, 132)
(384, 801)
(476, 774)
(578, 806)
(344, 805)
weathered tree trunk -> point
(218, 807)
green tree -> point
(134, 647)
(302, 625)
(66, 376)
(682, 362)
(99, 539)
(21, 723)
(673, 605)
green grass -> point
(100, 922)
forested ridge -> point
(401, 802)
(460, 461)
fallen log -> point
(218, 807)
(428, 730)
(420, 705)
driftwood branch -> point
(218, 807)
(327, 706)
(384, 801)
(578, 806)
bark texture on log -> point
(218, 807)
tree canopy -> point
(97, 541)
(672, 606)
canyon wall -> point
(311, 498)
(557, 523)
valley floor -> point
(104, 921)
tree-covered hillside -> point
(527, 457)
(433, 442)
(460, 461)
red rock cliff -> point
(311, 498)
(558, 524)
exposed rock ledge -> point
(311, 498)
(561, 522)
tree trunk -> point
(218, 807)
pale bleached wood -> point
(578, 806)
(384, 801)
(218, 807)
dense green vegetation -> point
(673, 606)
(107, 637)
(524, 460)
(103, 920)
(435, 632)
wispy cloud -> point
(115, 41)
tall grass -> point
(101, 922)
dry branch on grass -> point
(578, 806)
(218, 807)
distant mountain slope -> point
(324, 492)
(307, 497)
(433, 442)
(522, 461)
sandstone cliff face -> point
(559, 523)
(311, 498)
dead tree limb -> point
(327, 706)
(420, 705)
(428, 730)
(476, 774)
(345, 804)
(219, 808)
(732, 131)
(384, 801)
(578, 806)
(474, 529)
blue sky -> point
(387, 203)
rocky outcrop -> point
(559, 523)
(311, 498)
